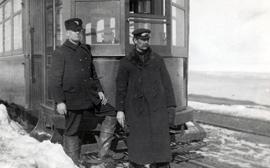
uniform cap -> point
(74, 24)
(141, 33)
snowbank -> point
(19, 150)
(255, 112)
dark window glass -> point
(58, 22)
(49, 24)
(154, 7)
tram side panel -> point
(12, 83)
(107, 71)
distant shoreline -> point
(222, 100)
(246, 73)
(250, 87)
(217, 71)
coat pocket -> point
(70, 89)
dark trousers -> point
(73, 125)
(160, 165)
(71, 138)
(73, 121)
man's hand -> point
(102, 97)
(120, 116)
(61, 108)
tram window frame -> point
(104, 49)
(181, 6)
(15, 11)
(164, 18)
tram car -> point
(30, 30)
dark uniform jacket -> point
(144, 92)
(73, 79)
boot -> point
(106, 136)
(135, 165)
(160, 165)
(72, 147)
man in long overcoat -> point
(77, 91)
(144, 93)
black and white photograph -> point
(134, 84)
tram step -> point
(194, 132)
(183, 115)
(186, 157)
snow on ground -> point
(228, 146)
(19, 150)
(255, 112)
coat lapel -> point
(134, 58)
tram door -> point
(54, 37)
(36, 60)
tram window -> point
(54, 34)
(158, 31)
(49, 26)
(58, 22)
(1, 30)
(7, 26)
(103, 27)
(154, 7)
(17, 5)
(17, 31)
(1, 37)
(11, 27)
(178, 27)
(7, 9)
(8, 35)
(54, 24)
(1, 14)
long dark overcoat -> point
(144, 92)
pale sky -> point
(230, 35)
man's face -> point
(141, 44)
(74, 36)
